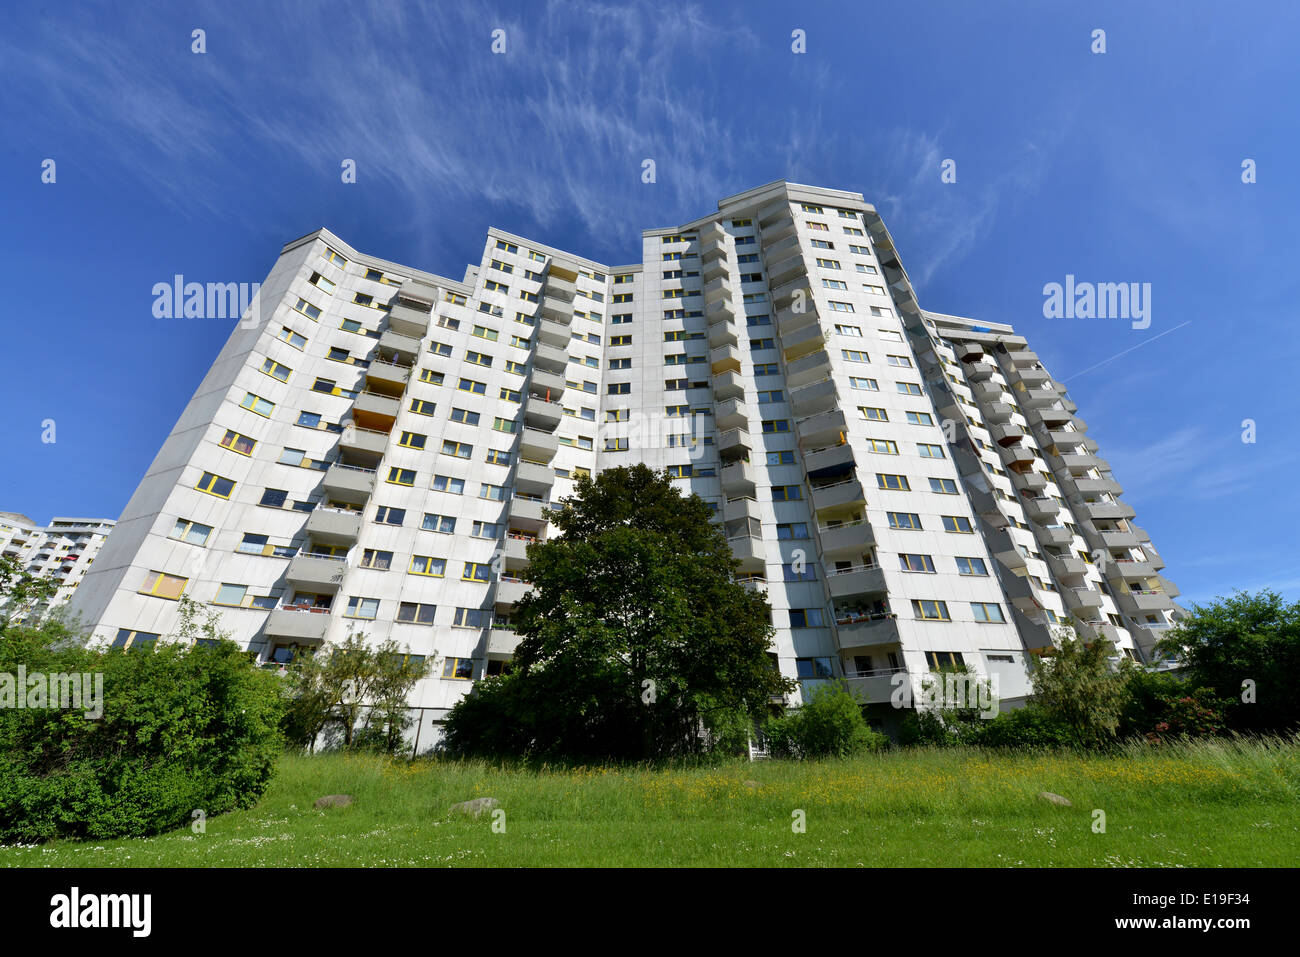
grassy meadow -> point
(1207, 804)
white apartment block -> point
(62, 551)
(374, 454)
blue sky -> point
(1115, 167)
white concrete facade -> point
(772, 352)
(62, 551)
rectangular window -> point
(493, 493)
(422, 407)
(445, 483)
(986, 611)
(255, 403)
(883, 446)
(238, 443)
(275, 370)
(473, 618)
(469, 385)
(497, 457)
(893, 483)
(427, 565)
(787, 493)
(807, 618)
(792, 530)
(387, 515)
(870, 385)
(971, 566)
(379, 560)
(291, 337)
(955, 523)
(944, 659)
(461, 669)
(413, 440)
(907, 521)
(916, 563)
(476, 572)
(920, 418)
(444, 524)
(307, 309)
(367, 608)
(853, 355)
(399, 476)
(464, 416)
(898, 362)
(930, 610)
(929, 451)
(162, 585)
(943, 486)
(191, 532)
(909, 388)
(459, 449)
(215, 485)
(228, 594)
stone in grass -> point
(474, 807)
(1055, 798)
(333, 800)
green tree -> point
(635, 633)
(1077, 686)
(356, 686)
(1244, 647)
(21, 592)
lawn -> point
(1217, 804)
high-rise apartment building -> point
(62, 551)
(375, 452)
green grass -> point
(1210, 804)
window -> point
(787, 493)
(464, 416)
(620, 363)
(445, 483)
(870, 385)
(955, 523)
(920, 418)
(387, 515)
(126, 638)
(459, 449)
(438, 523)
(473, 618)
(863, 267)
(275, 370)
(191, 532)
(162, 585)
(765, 368)
(805, 572)
(255, 403)
(461, 669)
(776, 425)
(841, 306)
(215, 485)
(373, 558)
(399, 476)
(427, 565)
(320, 282)
(792, 530)
(493, 493)
(307, 309)
(291, 337)
(853, 355)
(785, 457)
(828, 263)
(469, 385)
(930, 610)
(620, 388)
(908, 521)
(929, 451)
(476, 572)
(944, 659)
(238, 443)
(413, 440)
(916, 563)
(617, 445)
(807, 618)
(835, 284)
(362, 608)
(893, 483)
(943, 486)
(440, 348)
(497, 457)
(422, 407)
(986, 611)
(478, 359)
(413, 613)
(883, 446)
(228, 594)
(813, 667)
(486, 529)
(909, 388)
(508, 247)
(971, 566)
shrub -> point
(830, 724)
(1027, 727)
(184, 728)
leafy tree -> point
(635, 634)
(358, 687)
(21, 592)
(1076, 685)
(1240, 647)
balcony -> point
(776, 229)
(720, 311)
(501, 644)
(820, 430)
(538, 445)
(1018, 457)
(406, 321)
(1168, 587)
(790, 319)
(969, 352)
(1057, 535)
(1005, 435)
(1079, 464)
(1023, 358)
(560, 283)
(316, 572)
(734, 443)
(514, 552)
(300, 623)
(1067, 438)
(865, 631)
(364, 443)
(549, 357)
(334, 526)
(741, 508)
(798, 344)
(1085, 601)
(510, 591)
(980, 371)
(816, 397)
(372, 410)
(1011, 559)
(1107, 511)
(875, 687)
(1067, 569)
(845, 539)
(389, 376)
(1038, 398)
(534, 479)
(807, 370)
(541, 414)
(731, 414)
(716, 267)
(716, 290)
(829, 462)
(557, 310)
(724, 358)
(728, 385)
(750, 551)
(552, 332)
(838, 495)
(1145, 603)
(1098, 486)
(1042, 509)
(739, 479)
(348, 483)
(723, 334)
(1124, 569)
(393, 343)
(998, 412)
(858, 581)
(1028, 481)
(788, 269)
(528, 514)
(546, 384)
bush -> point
(1163, 705)
(1027, 727)
(830, 724)
(184, 728)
